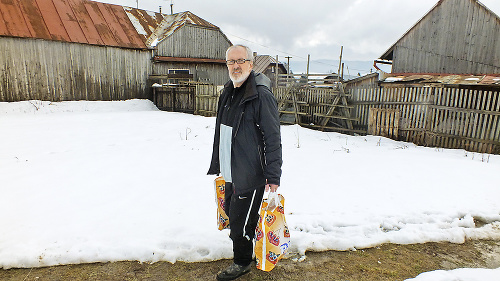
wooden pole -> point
(276, 73)
(287, 69)
(342, 75)
(340, 61)
(307, 73)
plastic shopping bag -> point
(222, 219)
(272, 234)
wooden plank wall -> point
(455, 37)
(36, 69)
(217, 73)
(191, 41)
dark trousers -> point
(243, 213)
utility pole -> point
(137, 1)
(171, 7)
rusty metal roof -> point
(261, 63)
(79, 21)
(156, 27)
(90, 22)
(457, 79)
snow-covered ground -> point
(108, 181)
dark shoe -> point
(232, 272)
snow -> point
(89, 182)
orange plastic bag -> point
(272, 234)
(220, 188)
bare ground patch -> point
(386, 262)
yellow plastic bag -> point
(220, 188)
(272, 234)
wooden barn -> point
(184, 43)
(85, 50)
(455, 36)
(444, 89)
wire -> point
(287, 53)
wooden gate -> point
(175, 98)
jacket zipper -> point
(238, 124)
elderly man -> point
(246, 151)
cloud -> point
(366, 28)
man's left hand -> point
(272, 187)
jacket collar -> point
(250, 86)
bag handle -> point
(273, 200)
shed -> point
(455, 36)
(183, 44)
(267, 65)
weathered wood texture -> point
(455, 37)
(449, 117)
(57, 71)
(206, 72)
(198, 98)
(181, 99)
(192, 41)
(323, 108)
(383, 122)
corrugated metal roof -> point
(79, 21)
(171, 23)
(457, 79)
(261, 63)
(90, 22)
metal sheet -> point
(14, 20)
(52, 20)
(69, 21)
(100, 24)
(457, 79)
(144, 22)
(34, 20)
(85, 22)
(128, 28)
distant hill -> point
(351, 68)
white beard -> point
(240, 79)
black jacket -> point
(256, 140)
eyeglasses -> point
(238, 61)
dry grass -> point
(387, 262)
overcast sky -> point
(366, 28)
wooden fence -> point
(438, 116)
(384, 122)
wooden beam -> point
(187, 60)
